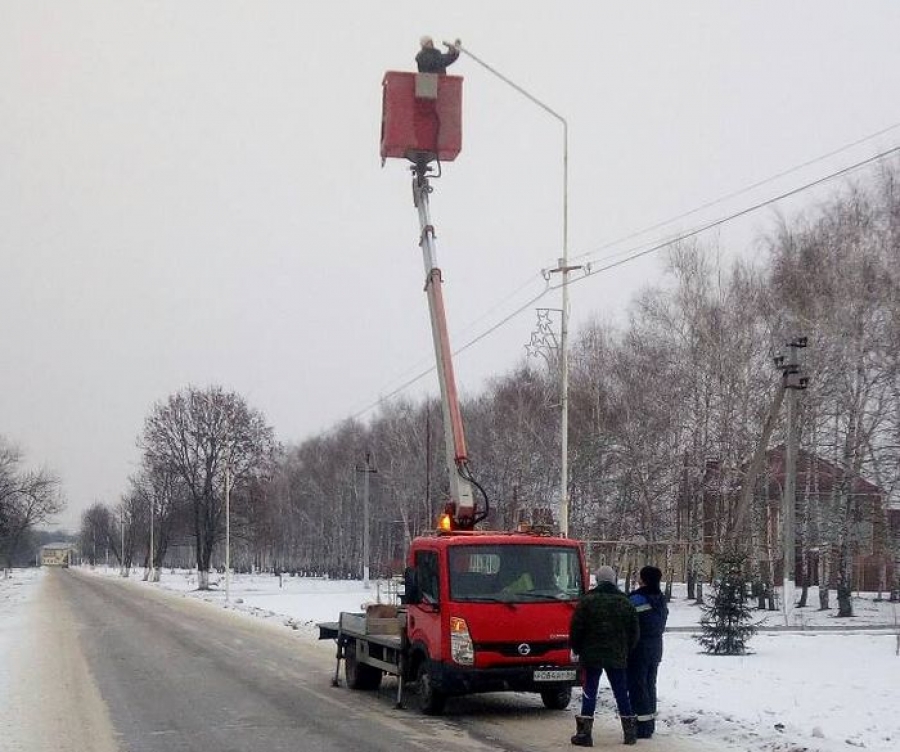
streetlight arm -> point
(518, 88)
(565, 124)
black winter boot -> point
(629, 729)
(644, 729)
(584, 725)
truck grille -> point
(512, 649)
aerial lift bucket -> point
(421, 116)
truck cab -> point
(490, 611)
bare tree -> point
(27, 498)
(161, 495)
(199, 435)
(94, 534)
(837, 275)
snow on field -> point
(796, 691)
(801, 691)
(299, 602)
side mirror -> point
(412, 595)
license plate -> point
(566, 674)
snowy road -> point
(176, 675)
(108, 665)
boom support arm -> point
(454, 438)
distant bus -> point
(55, 555)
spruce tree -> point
(726, 620)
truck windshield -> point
(514, 573)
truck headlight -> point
(462, 649)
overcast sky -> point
(191, 192)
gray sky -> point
(191, 193)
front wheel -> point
(556, 698)
(429, 700)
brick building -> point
(832, 506)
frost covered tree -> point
(726, 620)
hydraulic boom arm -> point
(461, 482)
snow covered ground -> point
(15, 590)
(817, 691)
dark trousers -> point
(642, 688)
(618, 680)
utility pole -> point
(366, 470)
(793, 383)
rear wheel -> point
(359, 675)
(429, 700)
(556, 698)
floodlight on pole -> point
(564, 269)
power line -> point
(420, 374)
(700, 208)
(463, 348)
(741, 191)
(502, 302)
(736, 215)
(636, 254)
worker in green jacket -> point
(604, 629)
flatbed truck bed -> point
(369, 643)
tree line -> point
(685, 382)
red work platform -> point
(421, 116)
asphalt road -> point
(114, 666)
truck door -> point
(425, 618)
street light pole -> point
(152, 504)
(227, 531)
(122, 520)
(564, 269)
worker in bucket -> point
(432, 60)
(603, 630)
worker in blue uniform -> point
(644, 659)
(432, 60)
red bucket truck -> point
(483, 610)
